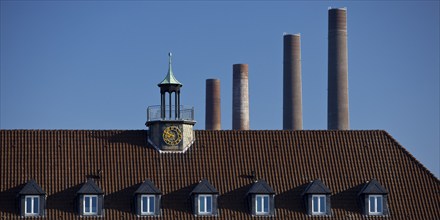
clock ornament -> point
(172, 135)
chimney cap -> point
(287, 34)
(342, 9)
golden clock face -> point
(172, 135)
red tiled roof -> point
(61, 160)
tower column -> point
(212, 109)
(292, 89)
(178, 104)
(170, 105)
(175, 105)
(162, 105)
(240, 97)
(337, 109)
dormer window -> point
(261, 199)
(205, 204)
(90, 204)
(204, 197)
(262, 204)
(32, 200)
(317, 198)
(374, 199)
(90, 199)
(147, 204)
(32, 205)
(375, 204)
(318, 205)
(147, 199)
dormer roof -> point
(147, 187)
(316, 187)
(260, 187)
(204, 187)
(31, 188)
(90, 187)
(373, 187)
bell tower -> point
(170, 127)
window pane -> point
(35, 211)
(322, 204)
(208, 204)
(86, 204)
(372, 204)
(266, 204)
(151, 202)
(144, 204)
(202, 204)
(259, 203)
(379, 204)
(28, 205)
(315, 204)
(94, 204)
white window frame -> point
(262, 198)
(32, 212)
(150, 198)
(376, 210)
(319, 198)
(90, 198)
(204, 198)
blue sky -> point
(96, 65)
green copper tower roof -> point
(170, 78)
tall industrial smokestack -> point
(240, 97)
(292, 89)
(212, 111)
(337, 112)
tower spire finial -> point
(170, 69)
(169, 58)
(169, 78)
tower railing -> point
(154, 113)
